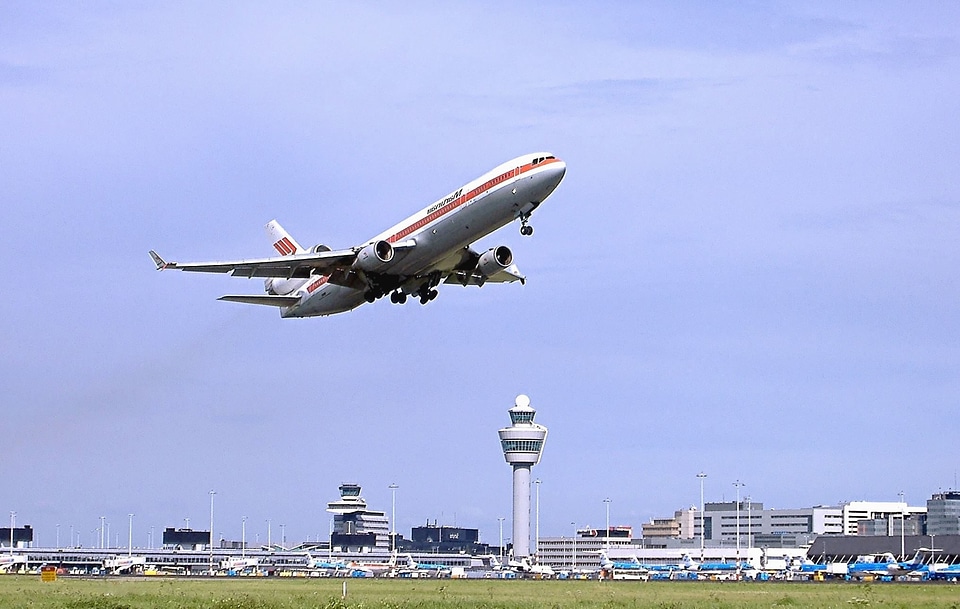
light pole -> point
(243, 537)
(536, 545)
(130, 537)
(501, 539)
(738, 484)
(573, 549)
(393, 517)
(13, 524)
(607, 534)
(902, 516)
(212, 494)
(102, 529)
(701, 476)
(749, 521)
(283, 536)
(269, 540)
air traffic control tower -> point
(522, 445)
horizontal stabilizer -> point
(266, 299)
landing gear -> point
(398, 297)
(426, 292)
(525, 229)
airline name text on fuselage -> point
(446, 201)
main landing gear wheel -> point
(398, 297)
(427, 296)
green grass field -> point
(260, 593)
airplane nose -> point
(557, 171)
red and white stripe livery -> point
(410, 258)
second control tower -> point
(522, 445)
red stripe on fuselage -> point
(466, 197)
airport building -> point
(186, 539)
(581, 552)
(440, 539)
(943, 513)
(756, 525)
(914, 524)
(355, 528)
(17, 537)
(855, 511)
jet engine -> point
(374, 256)
(277, 286)
(495, 260)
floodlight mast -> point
(522, 445)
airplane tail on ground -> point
(605, 561)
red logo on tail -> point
(285, 247)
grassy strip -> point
(258, 593)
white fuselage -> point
(442, 229)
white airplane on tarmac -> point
(409, 259)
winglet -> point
(160, 262)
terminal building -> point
(943, 514)
(440, 539)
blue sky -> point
(750, 268)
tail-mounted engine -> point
(277, 286)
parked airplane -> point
(945, 571)
(409, 259)
(124, 564)
(237, 564)
(12, 562)
(525, 566)
(413, 566)
(880, 565)
(358, 568)
(714, 568)
(633, 565)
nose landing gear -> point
(525, 229)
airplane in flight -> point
(411, 258)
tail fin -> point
(605, 561)
(281, 239)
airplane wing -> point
(294, 266)
(465, 278)
(464, 271)
(265, 299)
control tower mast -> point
(522, 445)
